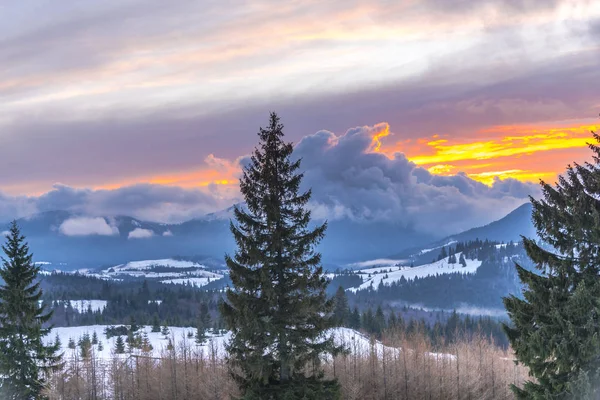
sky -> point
(149, 108)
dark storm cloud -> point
(349, 181)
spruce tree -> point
(165, 330)
(24, 358)
(202, 324)
(555, 328)
(155, 324)
(119, 345)
(341, 311)
(277, 310)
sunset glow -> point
(521, 154)
(168, 96)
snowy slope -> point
(158, 341)
(165, 270)
(387, 275)
(352, 340)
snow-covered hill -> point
(352, 340)
(167, 271)
(388, 274)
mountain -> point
(509, 228)
(73, 241)
(70, 241)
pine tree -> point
(133, 326)
(57, 342)
(85, 345)
(355, 319)
(203, 323)
(341, 312)
(119, 345)
(94, 338)
(155, 324)
(462, 260)
(379, 321)
(71, 344)
(555, 328)
(146, 346)
(24, 358)
(165, 330)
(277, 309)
(443, 254)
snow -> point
(147, 264)
(158, 341)
(82, 306)
(451, 242)
(354, 341)
(386, 262)
(394, 274)
(197, 282)
(190, 271)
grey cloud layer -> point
(146, 202)
(115, 144)
(103, 151)
(350, 182)
(347, 178)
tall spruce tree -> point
(277, 309)
(24, 358)
(555, 328)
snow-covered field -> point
(158, 341)
(387, 275)
(354, 341)
(82, 306)
(168, 271)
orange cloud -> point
(215, 171)
(524, 153)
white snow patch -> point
(83, 306)
(380, 262)
(393, 274)
(197, 282)
(178, 271)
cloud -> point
(505, 75)
(5, 233)
(87, 226)
(350, 180)
(167, 233)
(140, 233)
